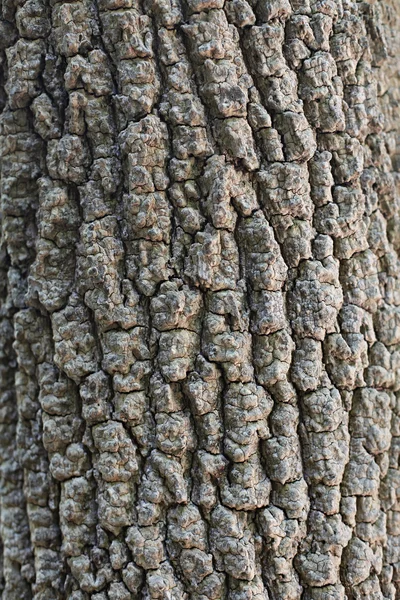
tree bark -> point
(200, 300)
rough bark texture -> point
(200, 300)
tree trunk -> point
(200, 300)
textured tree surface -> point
(200, 300)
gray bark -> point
(200, 299)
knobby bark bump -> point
(200, 299)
